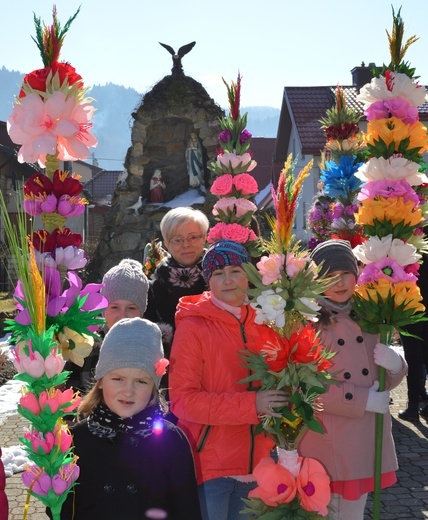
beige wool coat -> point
(347, 449)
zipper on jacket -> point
(203, 438)
(251, 461)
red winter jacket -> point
(4, 508)
(217, 413)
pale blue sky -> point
(273, 43)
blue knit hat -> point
(222, 254)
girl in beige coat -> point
(347, 448)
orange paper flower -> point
(392, 209)
(394, 130)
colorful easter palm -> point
(57, 317)
(391, 211)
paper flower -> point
(313, 487)
(398, 86)
(394, 167)
(270, 268)
(276, 485)
(160, 367)
(56, 125)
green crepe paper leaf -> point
(38, 385)
(373, 317)
(291, 511)
(383, 228)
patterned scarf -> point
(102, 422)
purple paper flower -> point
(244, 136)
(225, 136)
(37, 479)
(67, 474)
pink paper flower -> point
(54, 364)
(389, 188)
(313, 487)
(43, 127)
(231, 161)
(246, 184)
(243, 206)
(270, 268)
(34, 364)
(234, 232)
(293, 264)
(45, 443)
(276, 485)
(400, 108)
(30, 402)
(160, 366)
(71, 206)
(386, 268)
(376, 110)
(224, 204)
(222, 186)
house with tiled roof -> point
(99, 191)
(300, 133)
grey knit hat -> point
(126, 281)
(337, 255)
(131, 343)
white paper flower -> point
(375, 249)
(393, 168)
(402, 86)
(270, 307)
(70, 257)
(308, 307)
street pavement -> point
(406, 500)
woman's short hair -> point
(178, 216)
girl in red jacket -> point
(217, 413)
(348, 445)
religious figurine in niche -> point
(195, 166)
(156, 187)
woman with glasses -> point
(184, 233)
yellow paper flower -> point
(393, 209)
(377, 291)
(419, 137)
(409, 293)
(75, 347)
(406, 293)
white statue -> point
(195, 165)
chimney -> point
(362, 75)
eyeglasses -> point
(180, 241)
